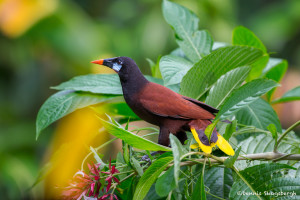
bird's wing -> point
(202, 105)
(162, 101)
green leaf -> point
(98, 83)
(209, 69)
(132, 139)
(243, 36)
(230, 128)
(155, 68)
(165, 183)
(97, 158)
(210, 128)
(95, 83)
(121, 162)
(196, 46)
(259, 114)
(260, 144)
(225, 86)
(149, 177)
(273, 130)
(199, 189)
(173, 68)
(154, 80)
(219, 181)
(245, 95)
(265, 178)
(137, 166)
(257, 68)
(276, 73)
(178, 151)
(185, 25)
(117, 109)
(291, 95)
(229, 162)
(62, 104)
(178, 52)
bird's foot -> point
(146, 158)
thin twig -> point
(285, 133)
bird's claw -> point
(146, 158)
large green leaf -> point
(245, 95)
(292, 95)
(98, 83)
(259, 114)
(183, 21)
(132, 139)
(62, 104)
(95, 83)
(210, 68)
(266, 178)
(195, 44)
(149, 177)
(219, 181)
(225, 86)
(260, 144)
(173, 68)
(243, 36)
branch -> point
(285, 133)
(258, 156)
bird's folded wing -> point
(162, 101)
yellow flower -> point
(221, 143)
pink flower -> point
(90, 185)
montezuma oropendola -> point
(160, 106)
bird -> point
(173, 113)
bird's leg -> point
(181, 136)
(163, 139)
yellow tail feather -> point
(224, 145)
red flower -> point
(84, 185)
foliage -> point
(224, 78)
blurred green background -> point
(46, 42)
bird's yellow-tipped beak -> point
(99, 62)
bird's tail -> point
(197, 128)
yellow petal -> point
(224, 146)
(204, 148)
(194, 146)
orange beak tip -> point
(99, 62)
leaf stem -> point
(285, 133)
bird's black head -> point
(118, 64)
